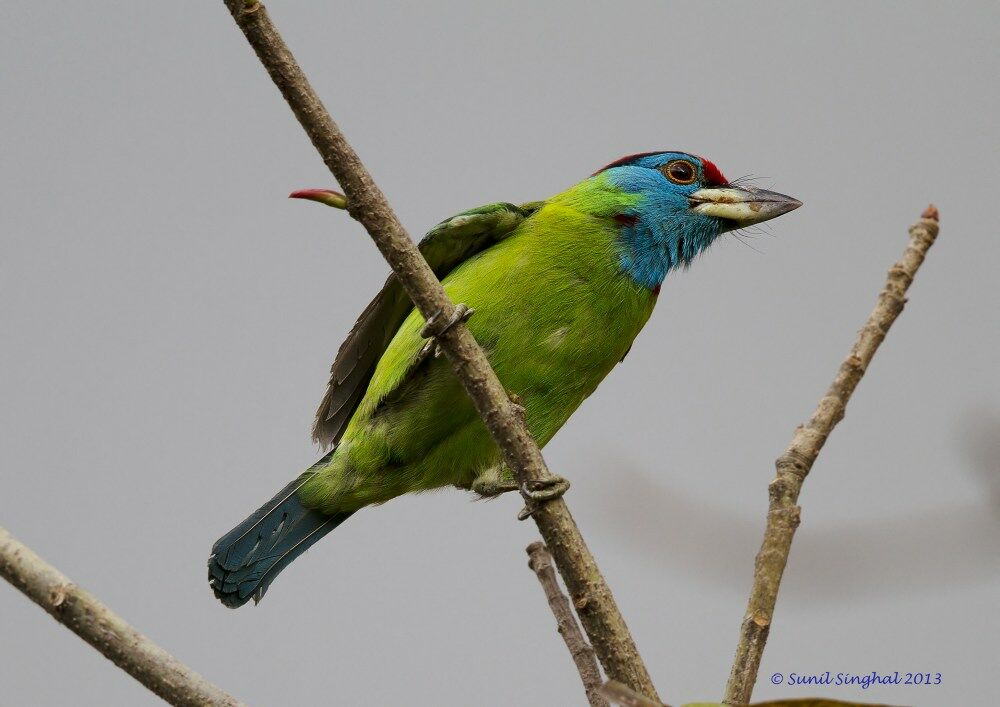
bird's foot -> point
(435, 327)
(491, 488)
(539, 492)
(517, 405)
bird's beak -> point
(739, 207)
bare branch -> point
(95, 623)
(540, 562)
(793, 466)
(365, 202)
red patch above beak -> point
(713, 175)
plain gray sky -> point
(168, 318)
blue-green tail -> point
(246, 560)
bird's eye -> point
(680, 172)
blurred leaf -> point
(816, 702)
(798, 702)
(620, 694)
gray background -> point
(168, 318)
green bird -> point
(560, 289)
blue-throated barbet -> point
(560, 289)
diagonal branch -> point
(591, 595)
(793, 466)
(95, 623)
(540, 562)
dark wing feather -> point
(445, 246)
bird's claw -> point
(538, 492)
(517, 406)
(434, 327)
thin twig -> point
(365, 202)
(540, 562)
(95, 623)
(793, 466)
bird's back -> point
(554, 313)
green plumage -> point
(560, 290)
(554, 313)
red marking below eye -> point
(656, 291)
(713, 175)
(626, 219)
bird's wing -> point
(445, 246)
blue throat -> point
(660, 233)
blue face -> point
(667, 232)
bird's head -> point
(674, 205)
